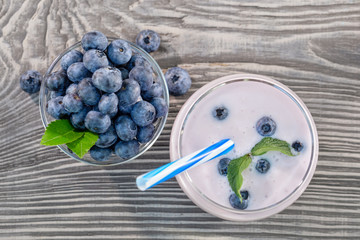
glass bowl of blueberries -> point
(110, 88)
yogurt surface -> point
(247, 102)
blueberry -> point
(100, 154)
(222, 166)
(119, 51)
(124, 73)
(297, 146)
(77, 71)
(148, 40)
(94, 40)
(30, 81)
(72, 89)
(88, 93)
(127, 149)
(107, 139)
(143, 76)
(235, 200)
(129, 92)
(57, 81)
(178, 81)
(143, 113)
(137, 61)
(78, 119)
(72, 103)
(220, 112)
(54, 94)
(95, 59)
(55, 107)
(262, 165)
(160, 106)
(125, 128)
(145, 134)
(126, 109)
(107, 79)
(265, 126)
(108, 104)
(244, 194)
(97, 122)
(71, 57)
(154, 91)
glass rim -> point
(201, 199)
(146, 146)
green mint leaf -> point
(234, 170)
(271, 144)
(60, 132)
(83, 144)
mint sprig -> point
(235, 168)
(62, 132)
(271, 144)
(238, 165)
(83, 144)
(59, 132)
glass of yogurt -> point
(246, 98)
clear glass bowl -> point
(114, 159)
(200, 198)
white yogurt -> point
(247, 102)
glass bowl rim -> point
(156, 68)
(203, 201)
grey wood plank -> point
(312, 47)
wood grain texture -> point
(311, 46)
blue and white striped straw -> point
(171, 169)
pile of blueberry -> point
(266, 127)
(111, 91)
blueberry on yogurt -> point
(297, 146)
(220, 113)
(265, 126)
(223, 165)
(262, 165)
(235, 200)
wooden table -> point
(311, 46)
